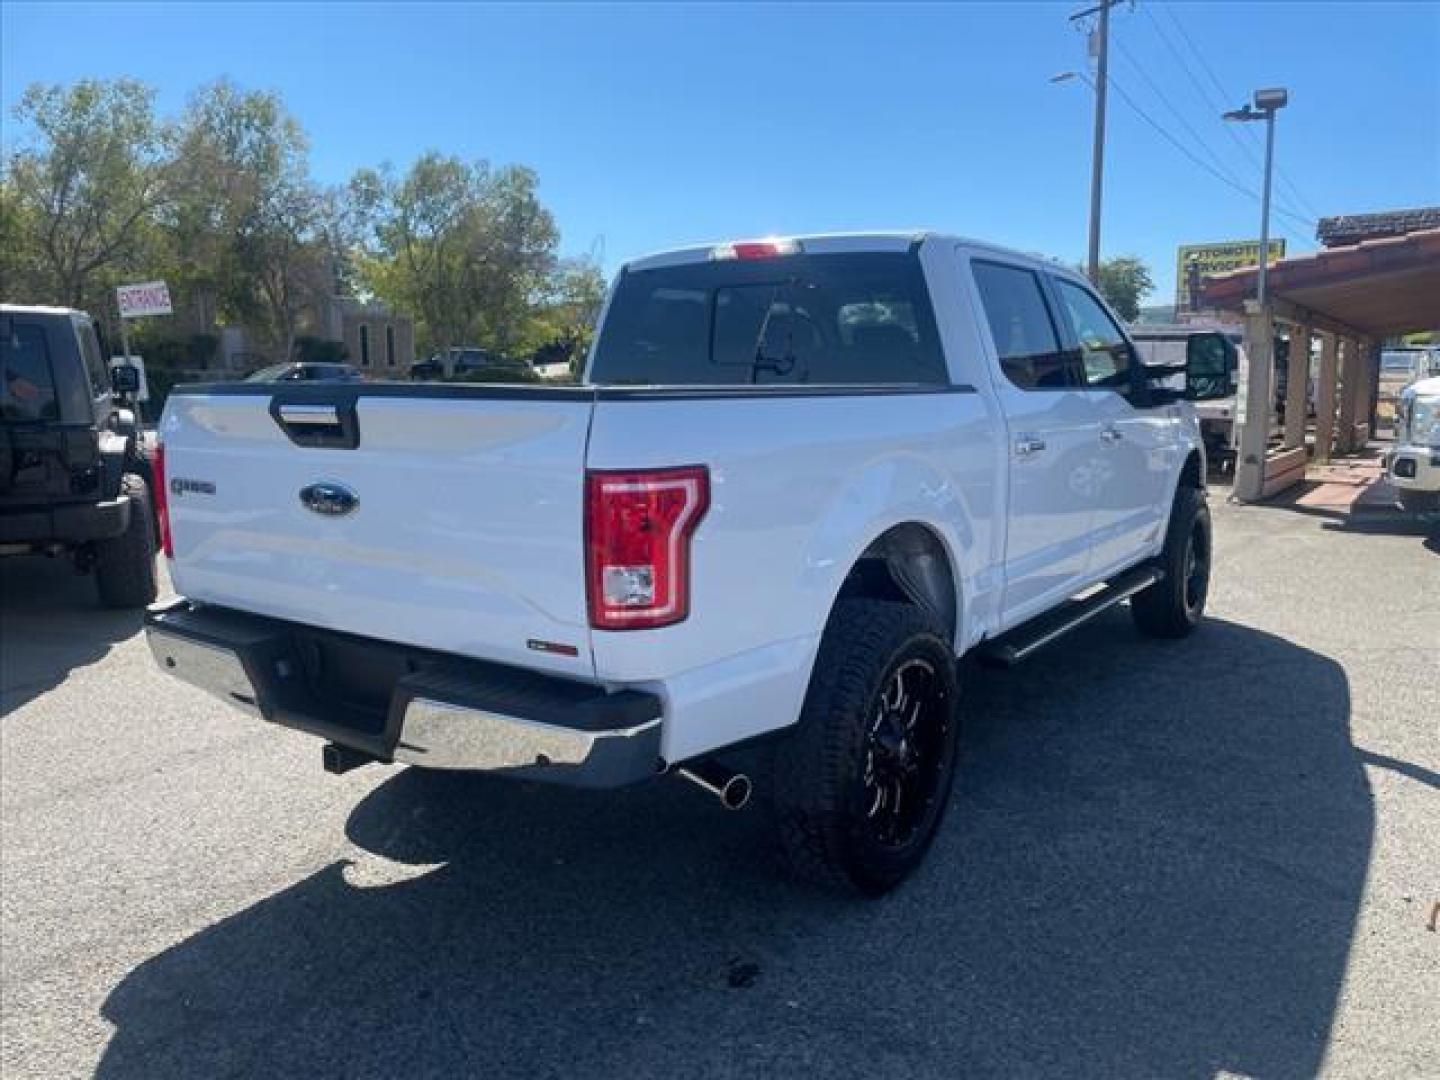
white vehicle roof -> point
(37, 309)
(839, 243)
(1423, 388)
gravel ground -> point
(1216, 857)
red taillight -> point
(756, 249)
(161, 498)
(637, 544)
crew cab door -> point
(1053, 454)
(1137, 443)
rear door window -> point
(28, 390)
(1022, 327)
(833, 319)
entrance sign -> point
(148, 298)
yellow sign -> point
(1194, 261)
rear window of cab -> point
(825, 319)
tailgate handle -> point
(310, 414)
(329, 422)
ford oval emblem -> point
(329, 498)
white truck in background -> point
(1412, 463)
(1166, 343)
(800, 477)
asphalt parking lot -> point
(1216, 857)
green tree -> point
(91, 170)
(1125, 282)
(562, 323)
(19, 273)
(251, 231)
(467, 250)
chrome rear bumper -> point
(439, 711)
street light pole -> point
(1267, 104)
(1265, 208)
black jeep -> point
(73, 472)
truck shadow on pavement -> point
(1152, 867)
(50, 624)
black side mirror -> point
(1209, 359)
(125, 379)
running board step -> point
(1015, 645)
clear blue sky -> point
(652, 125)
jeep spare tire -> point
(125, 564)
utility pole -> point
(1097, 154)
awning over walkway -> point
(1353, 297)
(1377, 287)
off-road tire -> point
(1174, 605)
(820, 769)
(125, 564)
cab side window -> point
(94, 363)
(1105, 355)
(1022, 327)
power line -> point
(1199, 55)
(1201, 162)
(1210, 103)
(1251, 149)
(1185, 123)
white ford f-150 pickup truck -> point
(799, 478)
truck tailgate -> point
(447, 517)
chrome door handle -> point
(1028, 445)
(1111, 435)
(309, 414)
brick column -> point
(1254, 407)
(1297, 393)
(1325, 398)
(1349, 394)
(1365, 382)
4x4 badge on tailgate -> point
(329, 497)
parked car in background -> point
(74, 477)
(800, 478)
(1413, 462)
(464, 362)
(306, 371)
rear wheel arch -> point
(908, 563)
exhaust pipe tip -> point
(736, 792)
(732, 789)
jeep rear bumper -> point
(66, 524)
(397, 703)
